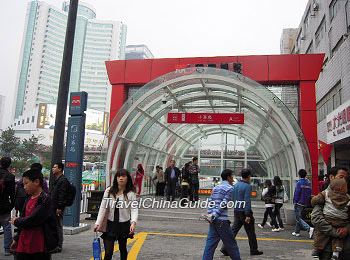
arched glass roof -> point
(140, 129)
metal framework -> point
(139, 130)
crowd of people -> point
(39, 211)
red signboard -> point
(205, 118)
(73, 165)
(76, 101)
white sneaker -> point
(267, 223)
(260, 226)
(276, 230)
(311, 232)
(281, 229)
(296, 234)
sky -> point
(181, 28)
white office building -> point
(96, 41)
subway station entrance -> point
(270, 142)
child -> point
(336, 212)
(37, 229)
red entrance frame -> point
(301, 69)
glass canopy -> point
(139, 133)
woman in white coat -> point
(118, 203)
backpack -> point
(71, 192)
(20, 197)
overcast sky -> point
(181, 28)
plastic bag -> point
(96, 248)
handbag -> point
(285, 196)
(96, 248)
(103, 226)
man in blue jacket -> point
(243, 214)
(301, 199)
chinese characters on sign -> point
(338, 123)
(205, 118)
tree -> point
(9, 143)
(30, 147)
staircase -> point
(190, 213)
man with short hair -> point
(7, 201)
(159, 176)
(171, 177)
(320, 223)
(218, 218)
(194, 179)
(243, 214)
(58, 195)
(301, 199)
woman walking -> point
(116, 209)
(185, 180)
(269, 194)
(139, 176)
(279, 200)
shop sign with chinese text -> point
(338, 123)
(205, 118)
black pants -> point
(35, 256)
(171, 187)
(238, 222)
(194, 191)
(160, 189)
(109, 248)
(269, 212)
(277, 213)
(184, 193)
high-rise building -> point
(325, 28)
(2, 111)
(96, 41)
(287, 40)
(138, 52)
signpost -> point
(205, 118)
(75, 153)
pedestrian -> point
(171, 177)
(280, 191)
(185, 176)
(336, 212)
(320, 223)
(243, 214)
(37, 230)
(122, 215)
(159, 176)
(7, 201)
(269, 195)
(301, 200)
(194, 180)
(20, 193)
(58, 191)
(139, 177)
(217, 215)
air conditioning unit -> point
(315, 7)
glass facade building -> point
(39, 71)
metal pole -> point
(61, 109)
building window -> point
(307, 19)
(309, 49)
(333, 9)
(347, 13)
(320, 33)
(33, 117)
(329, 102)
(27, 120)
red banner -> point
(325, 151)
(205, 118)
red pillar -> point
(308, 119)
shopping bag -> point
(96, 248)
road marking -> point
(140, 238)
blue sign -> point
(74, 157)
(78, 103)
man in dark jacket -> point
(171, 177)
(7, 200)
(58, 195)
(301, 199)
(321, 225)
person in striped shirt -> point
(217, 216)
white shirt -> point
(127, 212)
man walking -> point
(7, 201)
(159, 176)
(171, 177)
(59, 198)
(218, 218)
(243, 214)
(301, 199)
(194, 180)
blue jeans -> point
(220, 229)
(4, 222)
(300, 223)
